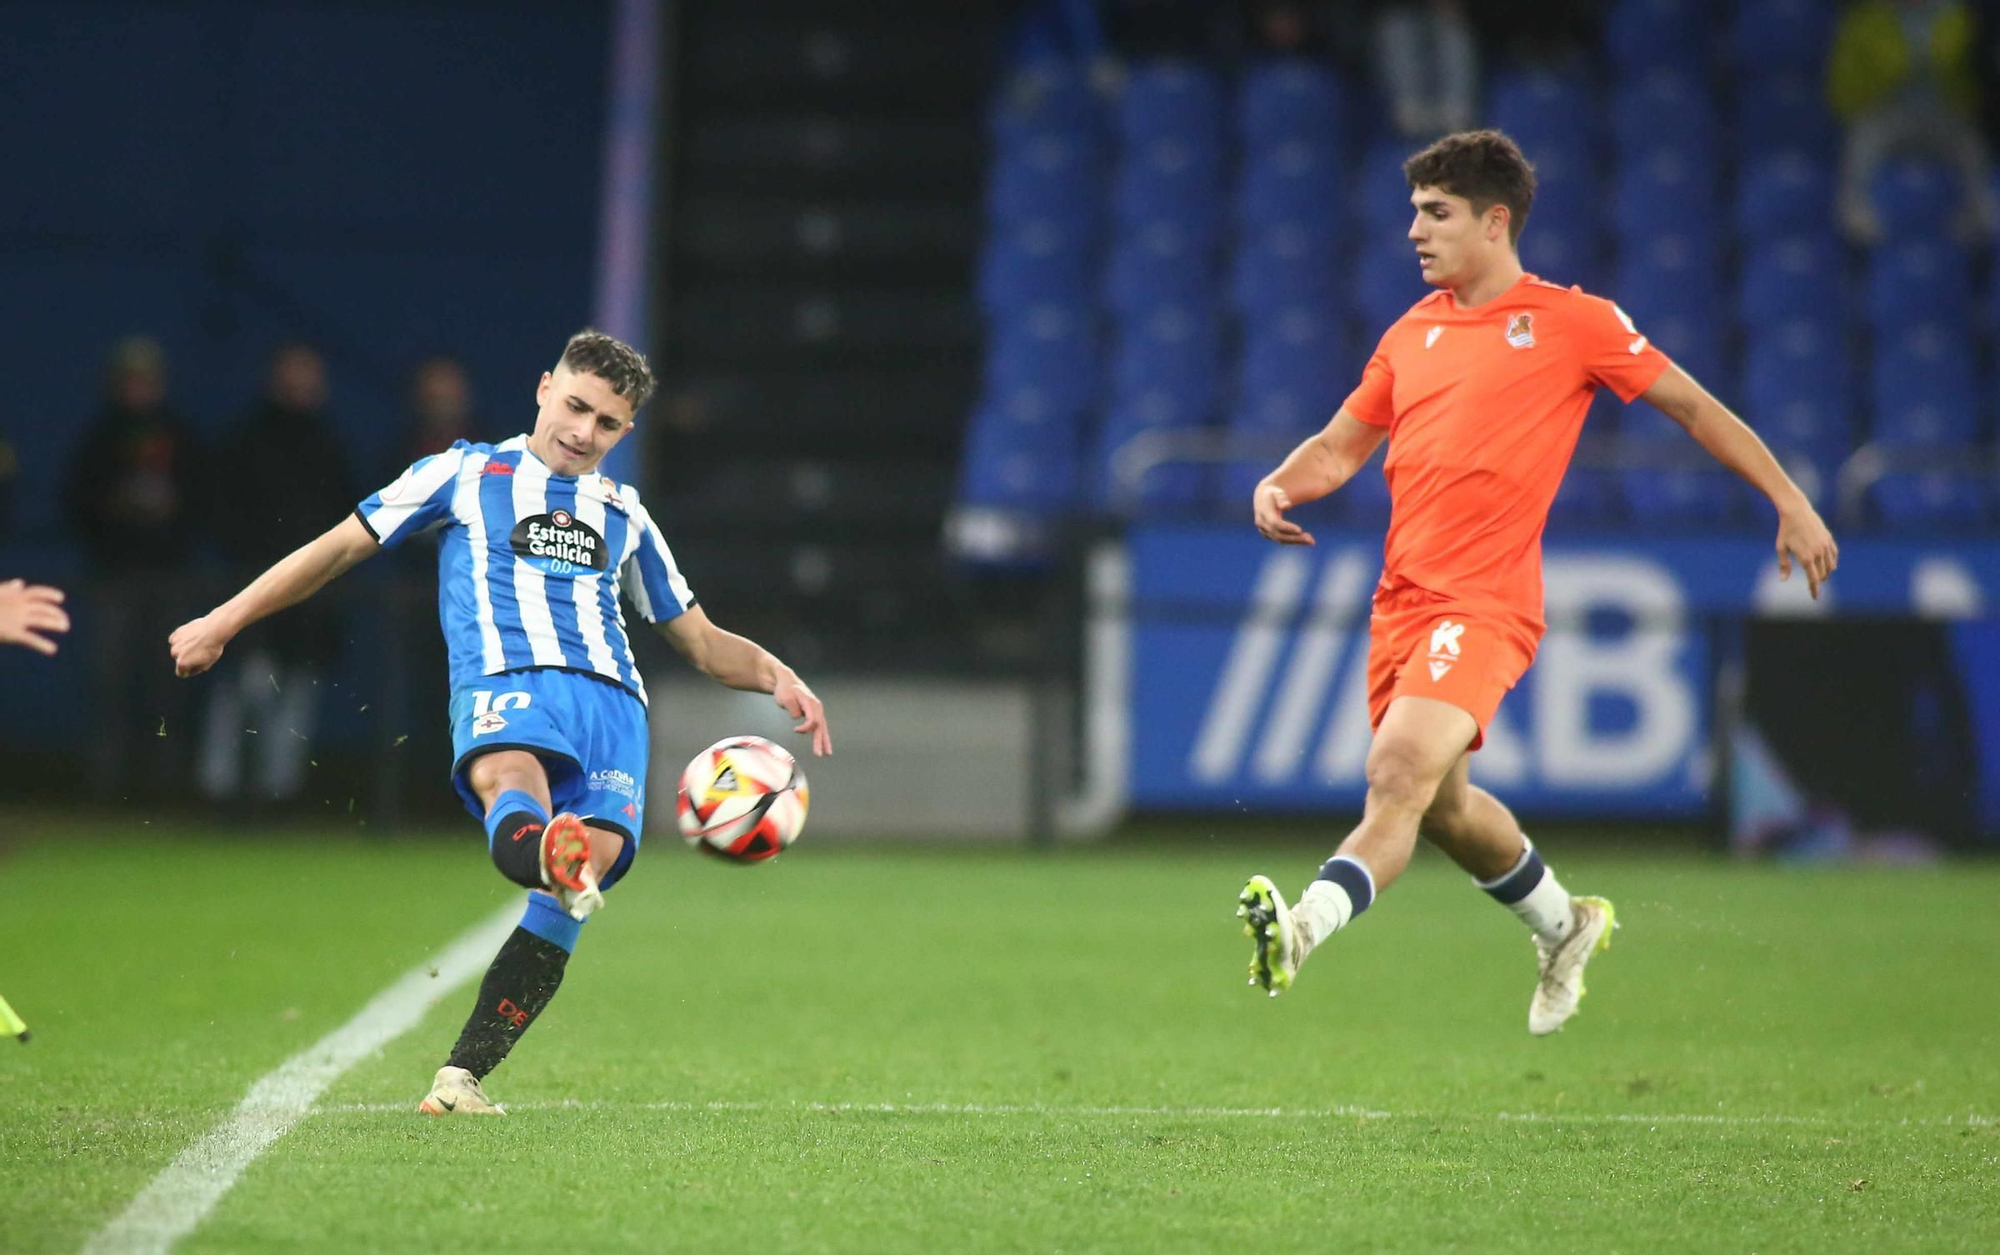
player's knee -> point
(1400, 776)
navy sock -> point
(1520, 882)
(514, 837)
(1352, 878)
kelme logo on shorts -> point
(557, 543)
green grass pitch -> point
(891, 1051)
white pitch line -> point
(187, 1189)
(1265, 1113)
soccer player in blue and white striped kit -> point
(547, 709)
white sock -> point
(1531, 891)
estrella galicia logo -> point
(557, 543)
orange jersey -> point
(1483, 408)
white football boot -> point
(1559, 986)
(456, 1092)
(1281, 942)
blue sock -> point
(546, 919)
(509, 804)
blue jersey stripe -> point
(615, 527)
(496, 507)
(561, 590)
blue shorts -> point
(589, 733)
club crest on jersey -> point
(557, 543)
(491, 721)
(1521, 330)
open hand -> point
(1268, 506)
(1802, 535)
(28, 610)
(800, 703)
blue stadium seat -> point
(1167, 179)
(1387, 283)
(1924, 388)
(1265, 425)
(1914, 198)
(1171, 347)
(1172, 99)
(1544, 109)
(1046, 96)
(1780, 36)
(1669, 487)
(1550, 253)
(1159, 263)
(1783, 192)
(1918, 281)
(1695, 344)
(1783, 112)
(1283, 267)
(1644, 33)
(1049, 350)
(1297, 184)
(1668, 276)
(1016, 463)
(1797, 383)
(1668, 106)
(1298, 351)
(1035, 261)
(1291, 101)
(1665, 191)
(1045, 174)
(1787, 275)
(1383, 192)
(1164, 490)
(1567, 201)
(1936, 501)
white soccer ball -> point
(742, 799)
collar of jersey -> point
(1486, 307)
(510, 445)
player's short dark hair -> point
(1485, 167)
(591, 352)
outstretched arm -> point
(29, 610)
(1801, 533)
(312, 566)
(1321, 464)
(742, 663)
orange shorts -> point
(1420, 645)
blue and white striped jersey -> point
(530, 563)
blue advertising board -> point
(1248, 664)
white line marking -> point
(188, 1189)
(1260, 1113)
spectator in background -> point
(133, 500)
(1428, 60)
(440, 403)
(280, 475)
(1901, 76)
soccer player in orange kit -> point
(1481, 390)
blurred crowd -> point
(169, 515)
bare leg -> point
(1414, 750)
(1472, 826)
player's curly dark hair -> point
(591, 352)
(1485, 167)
